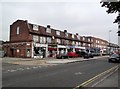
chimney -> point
(65, 31)
(77, 34)
(48, 26)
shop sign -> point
(40, 45)
(61, 46)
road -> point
(64, 75)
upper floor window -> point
(89, 39)
(73, 36)
(98, 41)
(73, 42)
(83, 38)
(58, 41)
(57, 32)
(18, 30)
(78, 37)
(35, 38)
(42, 39)
(48, 30)
(77, 43)
(66, 34)
(49, 39)
(67, 42)
(35, 27)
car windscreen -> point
(114, 55)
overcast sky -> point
(85, 17)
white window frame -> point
(49, 40)
(18, 30)
(35, 27)
(48, 30)
(73, 36)
(58, 33)
(35, 38)
(58, 41)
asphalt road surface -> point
(64, 75)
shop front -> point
(40, 50)
(52, 50)
(61, 49)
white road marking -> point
(12, 70)
(78, 73)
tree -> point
(112, 7)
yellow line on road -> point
(94, 78)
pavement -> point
(45, 61)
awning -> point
(55, 49)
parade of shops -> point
(36, 41)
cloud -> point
(83, 17)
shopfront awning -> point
(55, 49)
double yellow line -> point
(94, 78)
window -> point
(78, 37)
(89, 39)
(18, 31)
(58, 41)
(67, 42)
(48, 30)
(35, 27)
(73, 42)
(83, 38)
(66, 34)
(35, 38)
(84, 44)
(57, 32)
(89, 45)
(73, 36)
(77, 43)
(96, 41)
(42, 39)
(48, 39)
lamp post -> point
(109, 42)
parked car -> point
(62, 56)
(114, 58)
(84, 54)
(72, 54)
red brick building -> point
(31, 40)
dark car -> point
(84, 54)
(62, 56)
(114, 58)
(72, 54)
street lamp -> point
(109, 42)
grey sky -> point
(77, 16)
